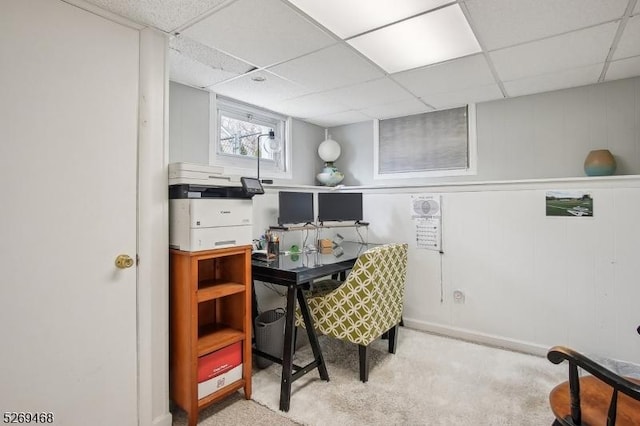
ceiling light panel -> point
(349, 18)
(426, 39)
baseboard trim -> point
(475, 337)
(164, 420)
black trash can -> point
(269, 333)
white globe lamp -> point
(329, 151)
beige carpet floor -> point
(431, 380)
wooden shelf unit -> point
(210, 308)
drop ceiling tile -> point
(397, 109)
(637, 9)
(263, 93)
(339, 119)
(166, 15)
(629, 44)
(564, 52)
(463, 97)
(208, 56)
(335, 66)
(463, 73)
(502, 23)
(346, 19)
(374, 92)
(624, 68)
(312, 105)
(554, 81)
(261, 32)
(426, 39)
(185, 70)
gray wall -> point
(189, 135)
(188, 124)
(540, 136)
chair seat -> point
(595, 397)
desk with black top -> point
(297, 271)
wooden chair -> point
(366, 305)
(599, 399)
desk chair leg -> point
(363, 354)
(393, 339)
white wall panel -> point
(530, 281)
(626, 273)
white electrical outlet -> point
(458, 296)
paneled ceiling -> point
(276, 53)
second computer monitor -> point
(339, 206)
(295, 207)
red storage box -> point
(219, 362)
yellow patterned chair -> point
(366, 305)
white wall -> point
(530, 281)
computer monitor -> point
(339, 206)
(295, 207)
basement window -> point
(236, 133)
(432, 144)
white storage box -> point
(210, 386)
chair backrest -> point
(371, 299)
(603, 397)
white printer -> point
(208, 210)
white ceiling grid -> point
(306, 51)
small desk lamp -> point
(272, 136)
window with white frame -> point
(240, 135)
(432, 144)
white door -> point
(68, 143)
